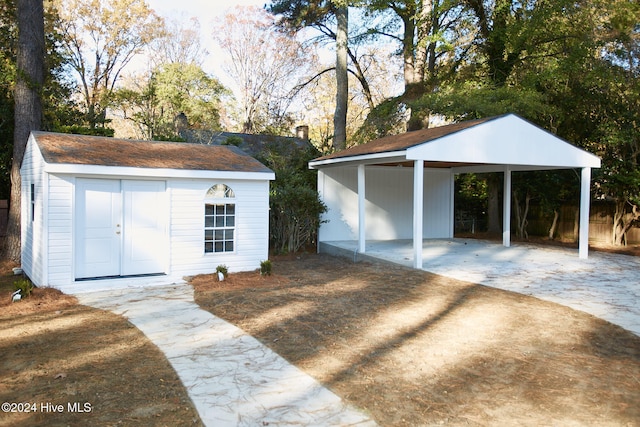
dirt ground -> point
(407, 347)
(96, 365)
(414, 349)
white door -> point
(98, 223)
(120, 227)
(144, 236)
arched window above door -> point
(220, 191)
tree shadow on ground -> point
(413, 348)
(75, 365)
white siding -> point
(438, 204)
(389, 207)
(60, 226)
(338, 189)
(388, 204)
(32, 223)
(187, 227)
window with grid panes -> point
(219, 220)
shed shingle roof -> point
(103, 151)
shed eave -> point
(114, 171)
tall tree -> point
(615, 100)
(342, 78)
(180, 43)
(152, 102)
(101, 38)
(8, 38)
(28, 104)
(265, 64)
(434, 38)
(568, 66)
(331, 19)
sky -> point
(204, 10)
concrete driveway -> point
(604, 285)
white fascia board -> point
(113, 171)
(393, 156)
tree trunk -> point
(424, 32)
(342, 82)
(521, 215)
(493, 205)
(554, 224)
(28, 105)
(623, 221)
(501, 53)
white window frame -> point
(220, 216)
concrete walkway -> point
(604, 285)
(232, 379)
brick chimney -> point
(302, 132)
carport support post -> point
(506, 208)
(585, 202)
(418, 198)
(361, 210)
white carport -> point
(401, 186)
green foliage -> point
(295, 216)
(471, 196)
(295, 208)
(153, 102)
(189, 89)
(84, 130)
(387, 118)
(58, 109)
(24, 285)
(223, 269)
(468, 101)
(233, 140)
(99, 40)
(265, 268)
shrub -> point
(265, 268)
(233, 140)
(294, 205)
(294, 216)
(223, 269)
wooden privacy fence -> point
(600, 224)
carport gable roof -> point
(491, 143)
(81, 150)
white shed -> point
(103, 208)
(402, 186)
